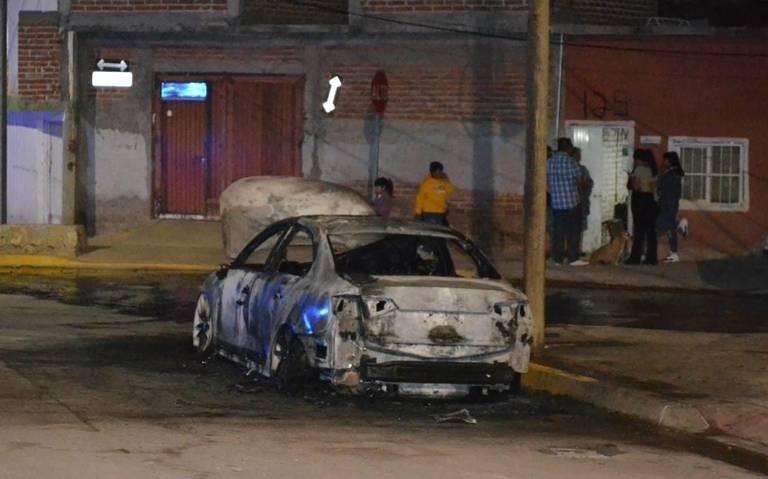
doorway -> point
(210, 131)
(606, 151)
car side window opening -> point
(297, 255)
(257, 253)
(407, 255)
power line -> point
(524, 37)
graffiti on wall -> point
(599, 104)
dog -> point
(613, 252)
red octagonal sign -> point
(379, 92)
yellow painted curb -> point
(40, 261)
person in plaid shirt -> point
(564, 179)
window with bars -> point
(715, 172)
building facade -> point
(229, 88)
(699, 95)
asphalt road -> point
(674, 311)
(97, 379)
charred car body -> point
(368, 304)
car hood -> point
(441, 294)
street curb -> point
(52, 265)
(654, 412)
(626, 401)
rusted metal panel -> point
(185, 130)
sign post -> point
(379, 98)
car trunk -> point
(435, 318)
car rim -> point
(201, 332)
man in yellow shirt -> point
(432, 199)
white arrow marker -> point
(335, 83)
(122, 65)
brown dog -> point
(613, 252)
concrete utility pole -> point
(4, 112)
(536, 166)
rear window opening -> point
(363, 255)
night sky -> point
(720, 13)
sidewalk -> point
(191, 246)
(707, 384)
(163, 246)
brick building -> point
(700, 95)
(258, 71)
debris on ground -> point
(602, 451)
(462, 415)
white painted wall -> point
(35, 174)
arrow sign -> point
(335, 83)
(122, 66)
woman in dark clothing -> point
(668, 190)
(642, 182)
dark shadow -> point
(739, 273)
(484, 60)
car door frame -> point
(275, 285)
(238, 288)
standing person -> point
(585, 191)
(384, 191)
(642, 182)
(669, 189)
(563, 179)
(434, 192)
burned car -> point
(367, 304)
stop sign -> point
(379, 92)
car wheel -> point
(293, 372)
(202, 328)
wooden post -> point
(536, 167)
(71, 137)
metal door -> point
(606, 151)
(185, 126)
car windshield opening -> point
(363, 255)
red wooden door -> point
(265, 128)
(185, 157)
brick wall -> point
(147, 5)
(40, 50)
(608, 12)
(493, 220)
(415, 6)
(436, 91)
(289, 12)
(276, 54)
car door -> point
(285, 286)
(244, 280)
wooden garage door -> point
(263, 129)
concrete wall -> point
(35, 167)
(455, 108)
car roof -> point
(348, 224)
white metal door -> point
(606, 151)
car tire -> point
(203, 329)
(516, 384)
(293, 372)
